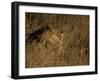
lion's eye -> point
(46, 44)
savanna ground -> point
(56, 40)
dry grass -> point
(56, 40)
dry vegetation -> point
(56, 40)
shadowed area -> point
(54, 40)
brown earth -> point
(56, 40)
